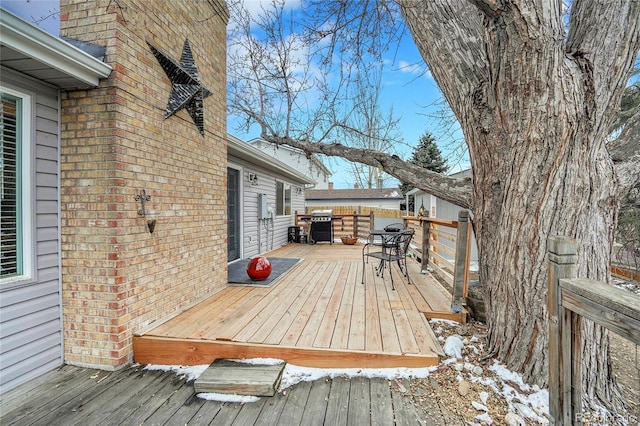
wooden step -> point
(238, 378)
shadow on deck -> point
(318, 314)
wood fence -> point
(359, 210)
(569, 300)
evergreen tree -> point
(428, 155)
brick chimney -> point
(331, 185)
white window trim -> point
(27, 188)
(285, 185)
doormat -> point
(279, 265)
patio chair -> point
(392, 250)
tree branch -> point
(458, 60)
(625, 152)
(599, 38)
(456, 191)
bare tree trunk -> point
(534, 106)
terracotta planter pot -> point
(349, 241)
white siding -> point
(30, 312)
(260, 236)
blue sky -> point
(408, 88)
(407, 85)
(39, 12)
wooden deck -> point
(133, 396)
(318, 315)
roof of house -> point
(314, 159)
(32, 51)
(240, 149)
(354, 194)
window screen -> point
(10, 193)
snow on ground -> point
(632, 286)
(523, 401)
(294, 374)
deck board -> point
(135, 396)
(319, 305)
(330, 315)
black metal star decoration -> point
(187, 90)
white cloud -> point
(409, 68)
(255, 7)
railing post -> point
(426, 226)
(355, 224)
(460, 268)
(372, 219)
(561, 253)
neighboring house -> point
(106, 153)
(438, 208)
(296, 158)
(253, 176)
(383, 198)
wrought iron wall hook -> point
(143, 198)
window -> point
(283, 199)
(14, 234)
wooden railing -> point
(447, 244)
(444, 246)
(353, 224)
(569, 300)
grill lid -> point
(324, 213)
(321, 215)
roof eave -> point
(39, 45)
(244, 151)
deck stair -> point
(237, 378)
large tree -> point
(535, 92)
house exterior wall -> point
(296, 159)
(259, 235)
(30, 313)
(117, 277)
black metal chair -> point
(393, 249)
(384, 240)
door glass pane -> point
(233, 214)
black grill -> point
(321, 226)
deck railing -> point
(569, 300)
(447, 244)
(350, 224)
(444, 246)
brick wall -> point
(117, 277)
